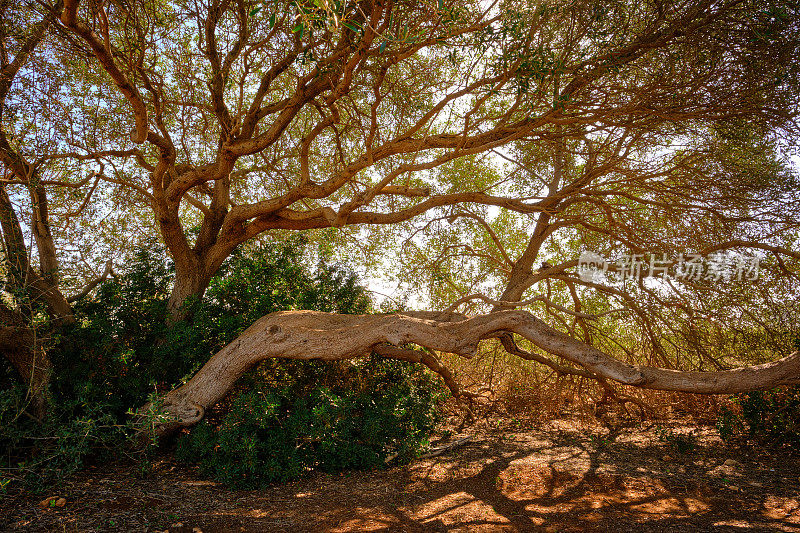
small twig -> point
(441, 449)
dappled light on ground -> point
(557, 478)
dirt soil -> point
(559, 477)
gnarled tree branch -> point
(316, 335)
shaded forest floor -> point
(558, 477)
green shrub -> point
(678, 442)
(278, 431)
(123, 349)
(38, 454)
(122, 352)
(769, 418)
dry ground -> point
(559, 477)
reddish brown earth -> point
(556, 478)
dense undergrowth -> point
(283, 419)
(768, 418)
(361, 418)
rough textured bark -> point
(317, 335)
(189, 282)
(18, 345)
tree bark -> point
(189, 281)
(18, 345)
(324, 336)
(35, 370)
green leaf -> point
(272, 21)
(298, 28)
(382, 47)
(351, 26)
(255, 11)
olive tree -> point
(247, 118)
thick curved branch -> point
(507, 340)
(316, 335)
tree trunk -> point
(18, 341)
(18, 345)
(189, 282)
(34, 369)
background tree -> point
(28, 286)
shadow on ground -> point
(558, 478)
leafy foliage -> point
(355, 418)
(38, 454)
(122, 352)
(769, 418)
(678, 442)
(124, 347)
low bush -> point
(122, 352)
(678, 442)
(278, 431)
(768, 418)
(123, 349)
(37, 454)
